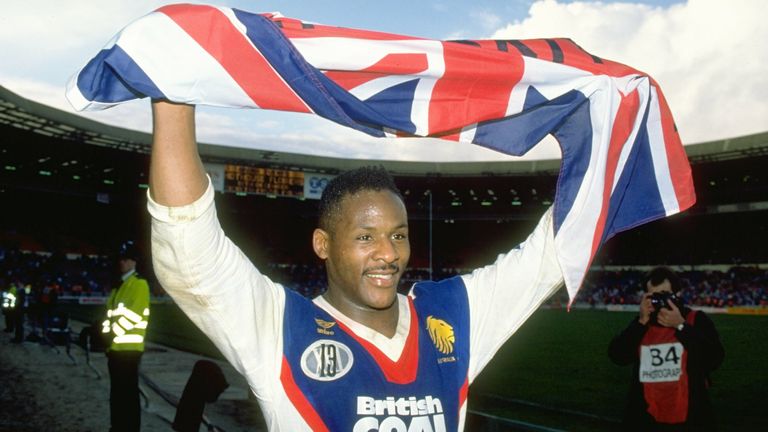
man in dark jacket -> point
(672, 350)
(24, 301)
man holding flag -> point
(361, 356)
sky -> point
(710, 58)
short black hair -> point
(659, 274)
(375, 178)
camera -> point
(659, 299)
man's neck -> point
(383, 321)
(128, 274)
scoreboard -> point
(263, 181)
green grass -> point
(559, 360)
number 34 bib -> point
(663, 374)
(661, 362)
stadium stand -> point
(63, 175)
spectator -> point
(126, 326)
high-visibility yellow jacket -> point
(127, 315)
(9, 299)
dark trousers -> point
(205, 385)
(18, 324)
(9, 317)
(124, 408)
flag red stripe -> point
(574, 55)
(463, 392)
(237, 56)
(475, 86)
(540, 47)
(679, 168)
(391, 64)
(318, 30)
(622, 127)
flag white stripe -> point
(574, 239)
(373, 87)
(659, 155)
(333, 53)
(237, 24)
(641, 85)
(178, 66)
(517, 98)
(468, 133)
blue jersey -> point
(340, 382)
(313, 368)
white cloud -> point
(709, 56)
(486, 19)
(58, 29)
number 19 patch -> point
(661, 362)
(326, 360)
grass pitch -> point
(560, 360)
(555, 370)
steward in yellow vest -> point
(125, 327)
(127, 314)
(9, 307)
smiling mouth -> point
(383, 274)
(384, 270)
(380, 276)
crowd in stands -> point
(75, 275)
(736, 286)
(53, 275)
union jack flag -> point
(622, 160)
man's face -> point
(664, 286)
(366, 251)
(125, 265)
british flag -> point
(622, 160)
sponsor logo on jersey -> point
(324, 327)
(326, 360)
(441, 333)
(400, 414)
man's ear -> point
(320, 240)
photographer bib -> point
(663, 375)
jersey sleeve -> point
(217, 286)
(504, 294)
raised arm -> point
(176, 174)
(503, 295)
(207, 275)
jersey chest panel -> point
(338, 383)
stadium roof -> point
(25, 114)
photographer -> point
(672, 350)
